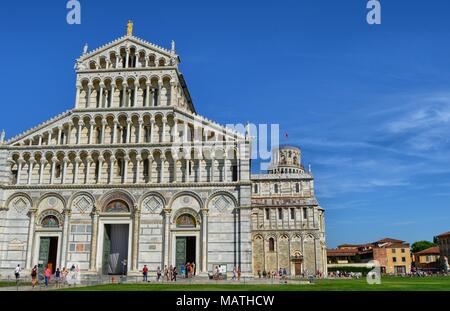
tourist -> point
(47, 275)
(259, 273)
(166, 273)
(183, 270)
(264, 273)
(145, 273)
(174, 274)
(158, 274)
(194, 267)
(17, 273)
(57, 278)
(234, 274)
(169, 277)
(188, 266)
(239, 273)
(34, 273)
(64, 276)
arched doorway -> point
(186, 239)
(115, 237)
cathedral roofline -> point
(131, 38)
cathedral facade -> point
(132, 175)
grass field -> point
(388, 284)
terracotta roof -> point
(444, 234)
(389, 240)
(429, 251)
(341, 252)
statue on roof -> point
(85, 48)
(130, 28)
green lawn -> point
(388, 284)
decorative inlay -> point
(83, 204)
(20, 205)
(152, 204)
(221, 203)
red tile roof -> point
(444, 234)
(429, 251)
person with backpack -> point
(34, 273)
(145, 274)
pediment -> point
(117, 48)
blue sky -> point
(368, 105)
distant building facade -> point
(443, 241)
(393, 255)
(428, 259)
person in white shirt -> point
(17, 272)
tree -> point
(421, 245)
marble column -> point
(158, 98)
(204, 267)
(31, 162)
(29, 263)
(139, 130)
(91, 132)
(65, 238)
(164, 121)
(124, 94)
(111, 170)
(152, 126)
(52, 173)
(126, 161)
(77, 167)
(93, 255)
(102, 139)
(41, 170)
(138, 169)
(101, 159)
(173, 93)
(80, 128)
(88, 102)
(64, 172)
(77, 95)
(136, 89)
(166, 243)
(89, 161)
(135, 249)
(128, 138)
(114, 132)
(147, 96)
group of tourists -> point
(170, 273)
(60, 275)
(281, 273)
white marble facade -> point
(135, 138)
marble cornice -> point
(133, 146)
(124, 186)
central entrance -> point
(48, 252)
(115, 249)
(185, 250)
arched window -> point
(271, 245)
(255, 188)
(276, 188)
(117, 206)
(50, 222)
(186, 221)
